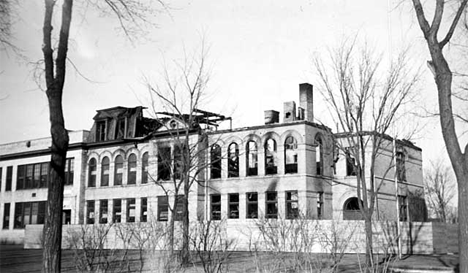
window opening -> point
(92, 173)
(215, 207)
(163, 208)
(215, 161)
(233, 160)
(103, 211)
(164, 163)
(252, 163)
(132, 169)
(90, 212)
(144, 210)
(233, 212)
(105, 171)
(271, 205)
(118, 172)
(117, 213)
(290, 149)
(252, 205)
(292, 207)
(131, 210)
(144, 168)
(270, 157)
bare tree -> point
(440, 190)
(180, 93)
(443, 77)
(365, 99)
(8, 14)
(127, 12)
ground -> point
(15, 259)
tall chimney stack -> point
(306, 100)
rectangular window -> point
(144, 210)
(66, 217)
(42, 212)
(44, 174)
(215, 207)
(117, 213)
(9, 177)
(178, 161)
(233, 212)
(29, 213)
(21, 177)
(164, 163)
(131, 210)
(6, 216)
(103, 212)
(252, 205)
(120, 128)
(402, 201)
(90, 212)
(351, 167)
(29, 176)
(320, 205)
(69, 171)
(37, 175)
(18, 216)
(163, 208)
(400, 166)
(101, 131)
(271, 205)
(292, 208)
(1, 177)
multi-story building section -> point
(127, 168)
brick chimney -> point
(271, 116)
(289, 111)
(306, 100)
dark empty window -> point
(403, 206)
(400, 166)
(105, 167)
(233, 160)
(215, 161)
(290, 155)
(319, 205)
(144, 168)
(120, 128)
(92, 173)
(90, 216)
(271, 205)
(103, 211)
(1, 177)
(164, 163)
(351, 167)
(319, 155)
(9, 177)
(6, 216)
(292, 207)
(215, 207)
(252, 164)
(163, 208)
(131, 210)
(233, 212)
(144, 210)
(179, 156)
(45, 174)
(101, 131)
(252, 205)
(117, 213)
(270, 157)
(118, 171)
(132, 169)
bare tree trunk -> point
(369, 242)
(53, 222)
(185, 225)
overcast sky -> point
(259, 52)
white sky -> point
(259, 52)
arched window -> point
(252, 164)
(233, 160)
(351, 209)
(319, 154)
(105, 171)
(132, 169)
(270, 157)
(290, 155)
(92, 173)
(215, 161)
(144, 168)
(118, 170)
